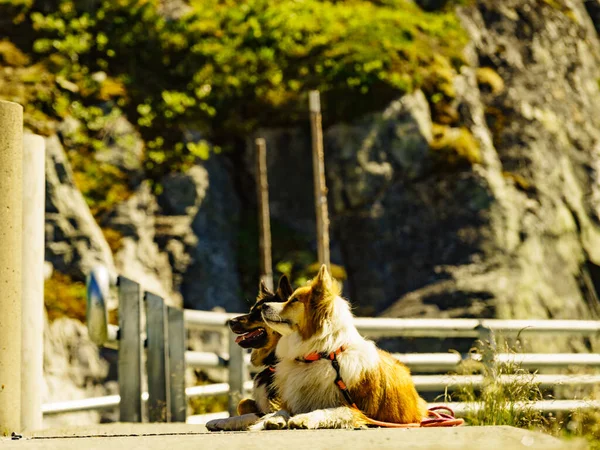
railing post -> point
(11, 222)
(157, 364)
(238, 374)
(176, 333)
(34, 196)
(130, 351)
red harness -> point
(434, 418)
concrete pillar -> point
(11, 222)
(34, 189)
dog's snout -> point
(237, 324)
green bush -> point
(226, 67)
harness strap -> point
(435, 418)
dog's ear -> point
(263, 290)
(322, 281)
(285, 289)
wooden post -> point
(314, 102)
(34, 197)
(264, 223)
(11, 238)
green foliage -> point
(227, 66)
(64, 297)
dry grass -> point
(511, 403)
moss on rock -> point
(489, 80)
(454, 147)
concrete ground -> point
(196, 437)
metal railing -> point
(164, 344)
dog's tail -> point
(359, 419)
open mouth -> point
(252, 339)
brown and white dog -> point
(253, 333)
(317, 328)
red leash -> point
(441, 419)
(436, 419)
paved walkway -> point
(184, 437)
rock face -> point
(74, 241)
(542, 165)
(181, 245)
(390, 198)
(212, 278)
(139, 257)
(536, 255)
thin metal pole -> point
(130, 351)
(264, 223)
(34, 189)
(314, 101)
(11, 238)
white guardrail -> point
(163, 357)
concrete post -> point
(34, 188)
(11, 222)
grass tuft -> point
(511, 404)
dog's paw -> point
(274, 421)
(216, 425)
(301, 422)
(236, 423)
